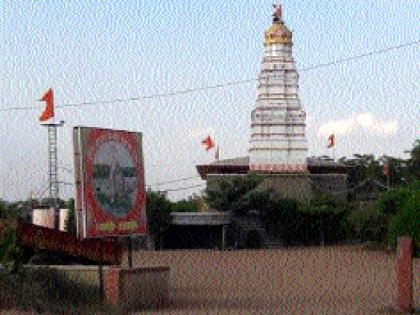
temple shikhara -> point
(278, 146)
(278, 142)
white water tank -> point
(45, 217)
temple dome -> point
(278, 33)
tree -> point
(71, 219)
(3, 209)
(406, 221)
(413, 164)
(158, 210)
(330, 214)
(281, 217)
(11, 253)
(231, 194)
(185, 205)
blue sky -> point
(101, 50)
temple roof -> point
(237, 161)
(322, 165)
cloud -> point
(363, 121)
(200, 133)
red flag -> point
(386, 168)
(48, 112)
(216, 154)
(331, 141)
(208, 142)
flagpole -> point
(53, 170)
(52, 126)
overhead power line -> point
(174, 181)
(183, 188)
(217, 86)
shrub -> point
(406, 222)
(48, 291)
(11, 252)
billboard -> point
(109, 175)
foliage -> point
(185, 205)
(11, 252)
(366, 224)
(413, 165)
(281, 218)
(71, 219)
(231, 194)
(406, 221)
(158, 210)
(48, 291)
(328, 215)
(3, 209)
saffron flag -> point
(48, 112)
(386, 168)
(331, 141)
(208, 142)
(216, 154)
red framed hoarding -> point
(109, 171)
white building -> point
(278, 140)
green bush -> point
(11, 252)
(158, 210)
(367, 224)
(406, 221)
(48, 291)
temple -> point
(278, 146)
(278, 142)
(278, 151)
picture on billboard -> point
(110, 182)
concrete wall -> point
(137, 288)
(296, 186)
(124, 288)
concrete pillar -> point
(405, 274)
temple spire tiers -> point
(278, 140)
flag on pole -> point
(216, 154)
(331, 141)
(48, 112)
(208, 142)
(386, 168)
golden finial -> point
(278, 33)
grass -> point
(48, 291)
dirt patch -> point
(330, 280)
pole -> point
(101, 277)
(53, 173)
(130, 252)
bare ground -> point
(312, 280)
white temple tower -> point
(278, 140)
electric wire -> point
(217, 86)
(174, 181)
(183, 188)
